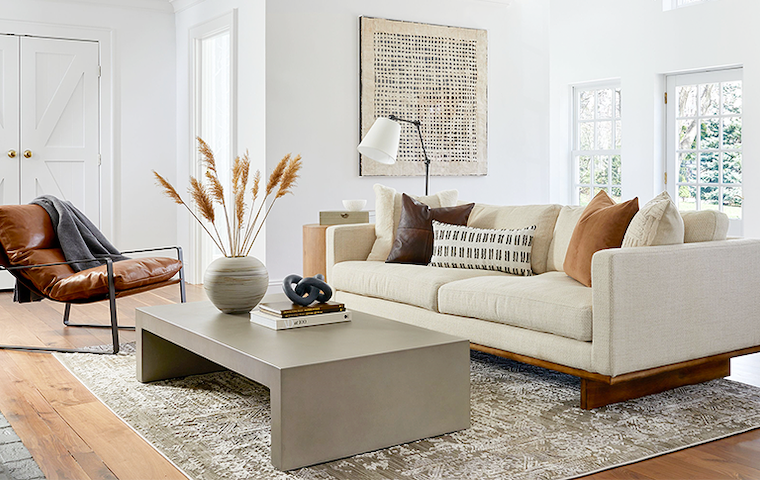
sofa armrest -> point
(348, 242)
(656, 306)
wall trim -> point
(154, 5)
(181, 5)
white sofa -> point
(655, 317)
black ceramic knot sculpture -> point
(307, 289)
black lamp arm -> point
(417, 124)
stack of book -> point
(284, 315)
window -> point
(212, 49)
(705, 142)
(597, 132)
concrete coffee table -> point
(336, 390)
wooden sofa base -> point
(599, 390)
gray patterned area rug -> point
(526, 424)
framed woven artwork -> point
(435, 74)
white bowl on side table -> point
(354, 205)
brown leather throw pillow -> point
(414, 237)
(602, 225)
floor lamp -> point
(381, 142)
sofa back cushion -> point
(704, 226)
(563, 230)
(388, 214)
(520, 216)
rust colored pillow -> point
(414, 235)
(602, 225)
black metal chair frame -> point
(114, 326)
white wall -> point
(312, 100)
(251, 132)
(638, 43)
(142, 135)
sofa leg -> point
(598, 394)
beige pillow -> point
(388, 214)
(657, 223)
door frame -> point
(104, 36)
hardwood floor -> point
(67, 430)
(73, 436)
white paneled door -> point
(9, 120)
(59, 122)
(50, 121)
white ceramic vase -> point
(236, 284)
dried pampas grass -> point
(240, 234)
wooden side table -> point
(314, 251)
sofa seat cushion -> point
(127, 274)
(551, 302)
(399, 282)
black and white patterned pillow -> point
(457, 246)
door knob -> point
(12, 153)
(27, 154)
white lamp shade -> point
(381, 142)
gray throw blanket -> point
(79, 238)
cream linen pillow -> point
(388, 213)
(657, 223)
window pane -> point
(708, 168)
(708, 197)
(586, 105)
(732, 132)
(732, 202)
(598, 128)
(584, 169)
(709, 99)
(604, 103)
(687, 198)
(709, 133)
(616, 170)
(584, 194)
(604, 138)
(586, 136)
(599, 189)
(687, 134)
(687, 168)
(732, 167)
(616, 194)
(687, 101)
(732, 97)
(600, 169)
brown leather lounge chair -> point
(29, 249)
